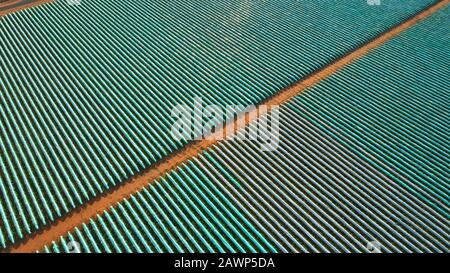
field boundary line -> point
(28, 4)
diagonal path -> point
(10, 6)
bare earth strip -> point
(10, 6)
(104, 201)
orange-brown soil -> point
(10, 6)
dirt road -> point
(10, 6)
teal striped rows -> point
(312, 195)
(332, 185)
(86, 90)
(393, 108)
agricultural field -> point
(238, 126)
